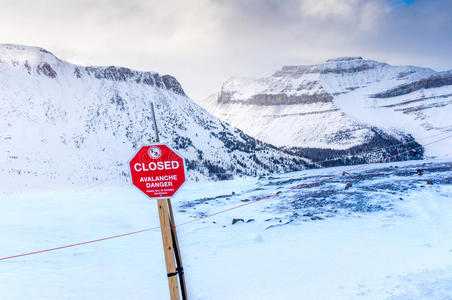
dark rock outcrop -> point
(277, 99)
(434, 81)
(339, 65)
(46, 69)
(125, 74)
(237, 221)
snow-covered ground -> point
(388, 236)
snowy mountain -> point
(67, 124)
(343, 107)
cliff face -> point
(42, 62)
(63, 124)
(344, 104)
(126, 75)
(441, 79)
(276, 99)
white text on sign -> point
(152, 166)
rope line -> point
(82, 243)
(228, 209)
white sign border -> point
(157, 144)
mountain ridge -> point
(46, 63)
(332, 106)
(68, 125)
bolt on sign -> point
(157, 170)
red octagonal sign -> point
(157, 170)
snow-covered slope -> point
(342, 104)
(413, 100)
(67, 124)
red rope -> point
(82, 243)
(231, 208)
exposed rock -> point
(237, 220)
(46, 69)
(172, 84)
(277, 99)
(339, 65)
(434, 81)
(27, 66)
(77, 72)
(125, 74)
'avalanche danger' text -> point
(159, 184)
(158, 178)
(157, 170)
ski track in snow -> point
(363, 242)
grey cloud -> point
(203, 42)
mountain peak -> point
(39, 61)
(23, 48)
(21, 55)
(345, 58)
(337, 65)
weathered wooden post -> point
(159, 172)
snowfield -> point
(387, 236)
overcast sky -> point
(204, 42)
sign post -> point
(168, 248)
(159, 172)
(177, 251)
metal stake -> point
(157, 138)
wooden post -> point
(177, 252)
(169, 237)
(168, 248)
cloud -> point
(326, 8)
(203, 42)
